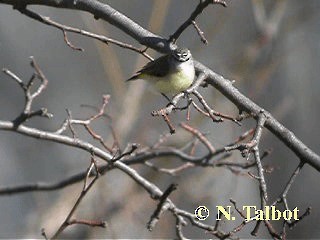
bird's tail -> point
(135, 77)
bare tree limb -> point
(64, 29)
(198, 10)
(86, 187)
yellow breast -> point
(176, 83)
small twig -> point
(90, 223)
(271, 230)
(193, 147)
(162, 207)
(134, 147)
(179, 224)
(97, 137)
(64, 29)
(64, 125)
(86, 188)
(245, 148)
(200, 136)
(198, 10)
(212, 113)
(284, 193)
(69, 122)
(253, 176)
(102, 109)
(244, 135)
(161, 140)
(171, 171)
(168, 122)
(295, 222)
(14, 77)
(116, 144)
(263, 185)
(254, 232)
(218, 233)
(237, 209)
(29, 95)
(167, 110)
(188, 116)
(283, 199)
(200, 110)
(65, 37)
(200, 32)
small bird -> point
(169, 74)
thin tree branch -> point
(200, 136)
(198, 10)
(86, 188)
(65, 28)
(162, 207)
(200, 32)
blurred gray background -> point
(273, 57)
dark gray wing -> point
(158, 68)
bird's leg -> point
(186, 95)
(189, 99)
(169, 100)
